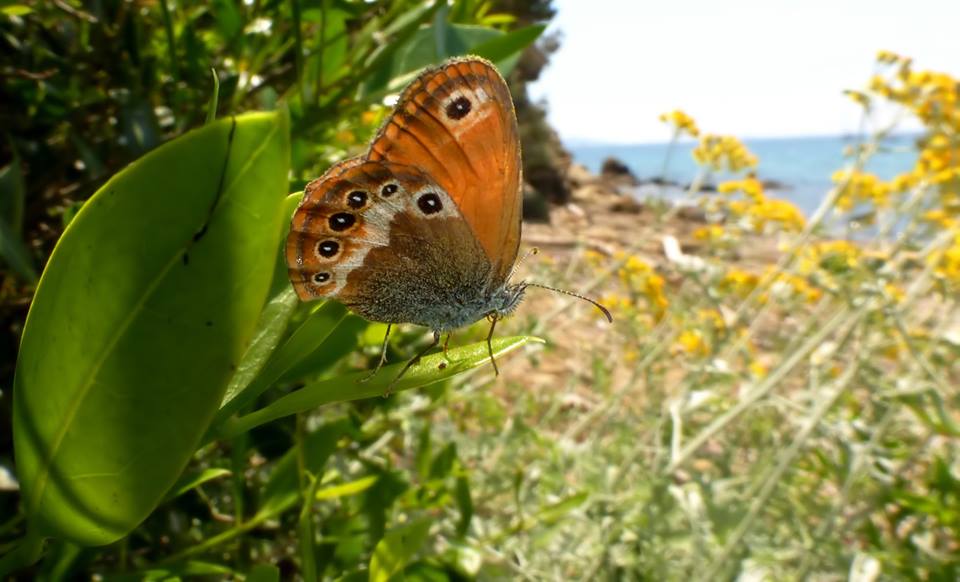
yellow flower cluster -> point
(738, 283)
(749, 186)
(697, 341)
(948, 262)
(642, 281)
(762, 211)
(691, 342)
(836, 256)
(940, 158)
(711, 233)
(780, 213)
(933, 97)
(723, 152)
(861, 187)
(940, 218)
(681, 122)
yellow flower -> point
(690, 341)
(859, 98)
(749, 186)
(858, 187)
(757, 370)
(712, 319)
(723, 152)
(738, 283)
(681, 122)
(835, 256)
(947, 262)
(940, 153)
(776, 212)
(888, 57)
(939, 217)
(711, 233)
(640, 278)
(594, 258)
(894, 291)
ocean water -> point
(804, 165)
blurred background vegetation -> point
(785, 417)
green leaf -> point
(427, 46)
(15, 254)
(396, 548)
(12, 194)
(190, 481)
(556, 511)
(347, 489)
(143, 312)
(214, 97)
(273, 320)
(16, 10)
(189, 568)
(505, 50)
(348, 387)
(305, 340)
(264, 573)
(444, 462)
(464, 500)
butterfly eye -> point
(321, 278)
(458, 108)
(356, 199)
(328, 248)
(389, 190)
(429, 203)
(342, 221)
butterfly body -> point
(425, 227)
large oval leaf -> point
(139, 320)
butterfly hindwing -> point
(383, 239)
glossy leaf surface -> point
(140, 318)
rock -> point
(659, 181)
(613, 168)
(692, 214)
(627, 205)
(705, 187)
(775, 185)
(578, 175)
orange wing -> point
(457, 123)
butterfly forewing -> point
(458, 125)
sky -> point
(750, 68)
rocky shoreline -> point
(615, 211)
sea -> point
(803, 165)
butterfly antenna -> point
(606, 312)
(533, 251)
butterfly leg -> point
(383, 357)
(446, 343)
(413, 361)
(493, 324)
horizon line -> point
(589, 142)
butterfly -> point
(424, 227)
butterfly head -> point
(507, 299)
